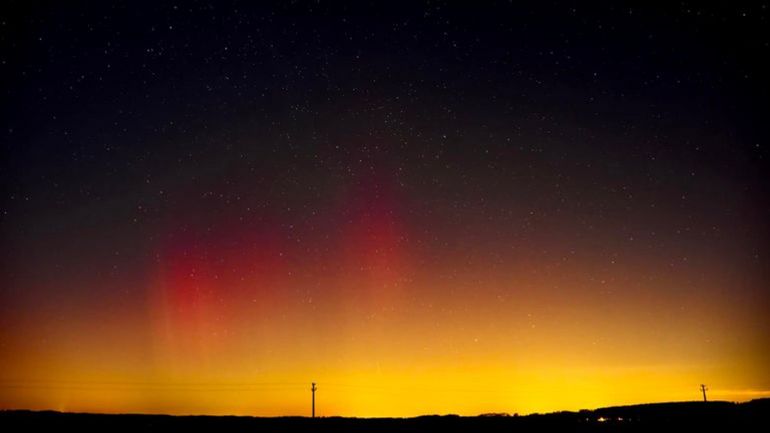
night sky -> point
(423, 208)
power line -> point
(64, 384)
(43, 384)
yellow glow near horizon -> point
(467, 355)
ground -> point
(689, 416)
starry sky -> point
(422, 207)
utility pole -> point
(703, 389)
(313, 388)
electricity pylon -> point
(313, 388)
(703, 389)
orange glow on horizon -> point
(249, 339)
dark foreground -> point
(691, 416)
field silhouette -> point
(685, 416)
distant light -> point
(602, 419)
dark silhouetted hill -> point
(685, 416)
